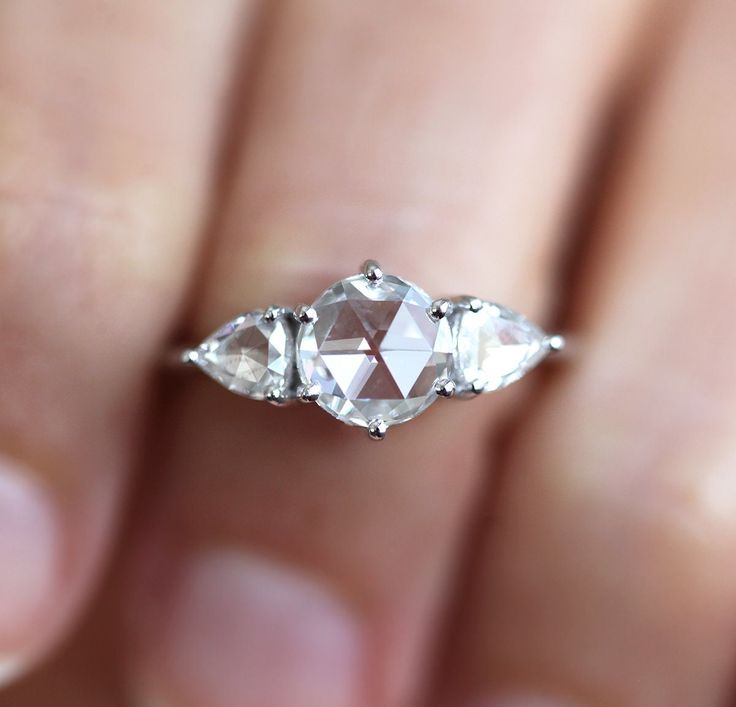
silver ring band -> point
(374, 350)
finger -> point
(108, 118)
(608, 574)
(84, 670)
(293, 564)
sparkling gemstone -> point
(374, 351)
(250, 355)
(495, 346)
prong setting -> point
(308, 393)
(471, 390)
(477, 387)
(439, 309)
(273, 312)
(190, 357)
(372, 271)
(474, 304)
(377, 429)
(444, 387)
(555, 343)
(305, 314)
(277, 396)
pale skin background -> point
(569, 542)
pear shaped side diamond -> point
(251, 355)
(495, 346)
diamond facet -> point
(251, 355)
(374, 351)
(495, 347)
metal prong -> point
(305, 314)
(372, 271)
(308, 393)
(273, 313)
(277, 396)
(477, 387)
(555, 343)
(444, 387)
(471, 390)
(189, 357)
(439, 309)
(473, 304)
(377, 429)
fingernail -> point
(243, 630)
(9, 668)
(28, 561)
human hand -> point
(568, 541)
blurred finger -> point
(608, 575)
(295, 563)
(108, 120)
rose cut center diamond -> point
(373, 351)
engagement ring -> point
(373, 350)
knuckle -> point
(72, 230)
(65, 249)
(83, 283)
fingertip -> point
(237, 629)
(10, 668)
(29, 564)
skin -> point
(567, 542)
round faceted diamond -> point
(374, 351)
(250, 355)
(495, 346)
